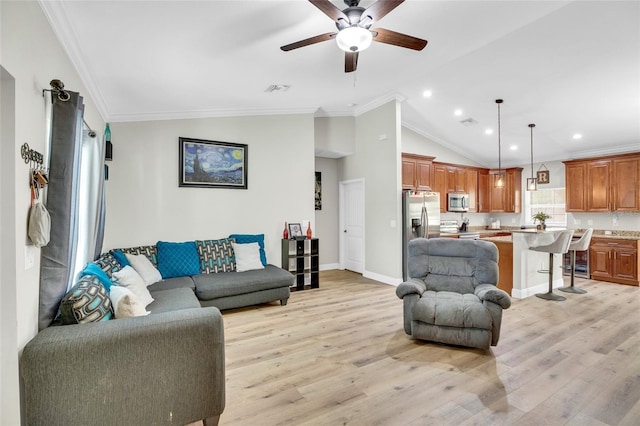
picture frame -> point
(318, 191)
(212, 164)
(543, 176)
(295, 230)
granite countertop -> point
(597, 233)
(502, 239)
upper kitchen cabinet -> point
(608, 184)
(575, 186)
(448, 178)
(506, 199)
(417, 172)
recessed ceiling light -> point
(577, 136)
(488, 131)
(457, 112)
(513, 147)
(427, 93)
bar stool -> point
(578, 245)
(559, 245)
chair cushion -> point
(449, 309)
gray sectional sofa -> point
(164, 368)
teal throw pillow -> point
(249, 238)
(92, 268)
(87, 301)
(120, 257)
(178, 259)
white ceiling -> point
(567, 66)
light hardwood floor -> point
(338, 355)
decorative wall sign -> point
(318, 190)
(543, 175)
(212, 164)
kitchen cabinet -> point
(508, 198)
(614, 260)
(471, 188)
(440, 184)
(484, 191)
(575, 187)
(417, 172)
(449, 178)
(608, 184)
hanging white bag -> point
(39, 224)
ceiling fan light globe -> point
(354, 39)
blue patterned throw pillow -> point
(178, 259)
(92, 268)
(151, 252)
(216, 255)
(108, 264)
(248, 238)
(87, 301)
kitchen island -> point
(519, 266)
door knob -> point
(345, 231)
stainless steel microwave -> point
(457, 202)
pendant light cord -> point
(531, 126)
(499, 101)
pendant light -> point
(532, 183)
(499, 179)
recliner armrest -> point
(493, 294)
(413, 286)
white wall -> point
(31, 54)
(415, 143)
(335, 135)
(378, 162)
(145, 204)
(326, 228)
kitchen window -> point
(550, 201)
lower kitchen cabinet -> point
(614, 260)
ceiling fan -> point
(354, 29)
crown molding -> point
(620, 149)
(62, 28)
(211, 113)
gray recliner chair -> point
(451, 296)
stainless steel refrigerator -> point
(420, 219)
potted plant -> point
(542, 218)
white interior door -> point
(352, 225)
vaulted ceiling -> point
(570, 67)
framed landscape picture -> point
(212, 164)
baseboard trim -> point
(382, 278)
(329, 266)
(540, 288)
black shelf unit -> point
(302, 259)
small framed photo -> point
(543, 176)
(295, 230)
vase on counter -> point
(285, 233)
(309, 233)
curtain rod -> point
(57, 87)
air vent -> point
(468, 122)
(277, 88)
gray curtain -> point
(58, 257)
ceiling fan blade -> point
(350, 61)
(308, 41)
(329, 9)
(398, 39)
(379, 9)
